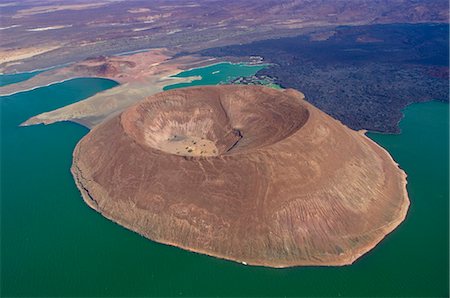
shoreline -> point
(225, 62)
(202, 64)
(37, 69)
(346, 262)
(54, 83)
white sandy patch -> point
(8, 55)
(173, 31)
(142, 29)
(179, 6)
(138, 10)
(9, 27)
(8, 4)
(152, 18)
(188, 146)
(48, 28)
(53, 8)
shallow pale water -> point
(216, 73)
(53, 244)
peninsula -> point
(139, 75)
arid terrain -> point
(44, 33)
(286, 184)
(360, 61)
(139, 75)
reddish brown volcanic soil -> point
(244, 173)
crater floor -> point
(244, 173)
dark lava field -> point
(364, 75)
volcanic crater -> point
(213, 124)
(245, 173)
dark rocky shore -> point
(364, 76)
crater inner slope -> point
(199, 122)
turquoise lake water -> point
(15, 78)
(215, 74)
(53, 244)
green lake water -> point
(15, 78)
(53, 244)
(215, 74)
